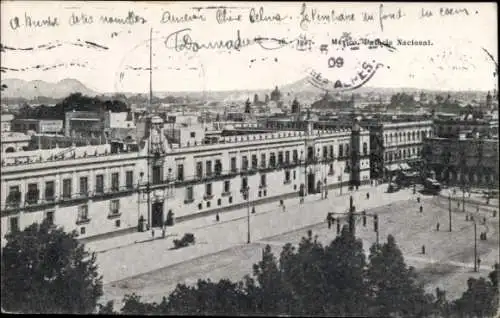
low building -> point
(6, 120)
(396, 145)
(463, 161)
(14, 142)
(40, 126)
(84, 124)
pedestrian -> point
(437, 226)
(284, 208)
(217, 217)
(423, 249)
(326, 193)
(421, 209)
(367, 195)
(329, 220)
(152, 232)
(418, 199)
(478, 262)
(163, 232)
(253, 210)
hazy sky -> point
(455, 61)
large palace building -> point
(107, 188)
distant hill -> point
(16, 88)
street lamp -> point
(449, 209)
(246, 192)
(475, 245)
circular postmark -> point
(346, 63)
(167, 70)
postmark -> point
(165, 65)
(347, 63)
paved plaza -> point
(152, 269)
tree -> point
(207, 298)
(481, 297)
(45, 270)
(295, 106)
(247, 106)
(393, 285)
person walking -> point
(329, 220)
(253, 210)
(217, 217)
(421, 209)
(437, 226)
(367, 195)
(153, 232)
(163, 231)
(423, 249)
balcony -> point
(114, 214)
(32, 197)
(187, 201)
(226, 193)
(208, 197)
(83, 221)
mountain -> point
(17, 88)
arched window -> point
(404, 153)
(413, 136)
(10, 149)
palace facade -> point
(107, 188)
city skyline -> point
(111, 57)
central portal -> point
(157, 214)
(311, 183)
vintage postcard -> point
(250, 158)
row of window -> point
(208, 167)
(416, 135)
(401, 154)
(33, 193)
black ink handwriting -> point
(168, 17)
(259, 16)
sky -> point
(114, 57)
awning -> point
(392, 167)
(404, 166)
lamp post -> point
(341, 183)
(449, 210)
(475, 246)
(246, 192)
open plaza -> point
(153, 268)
